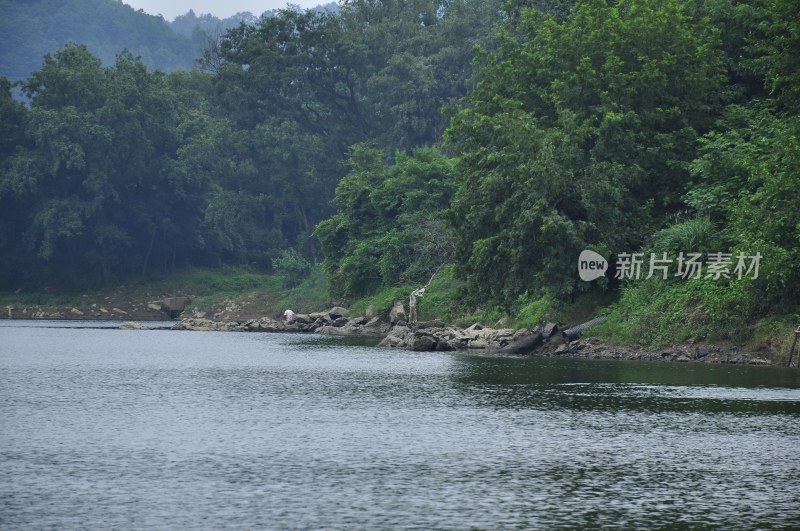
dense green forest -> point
(392, 141)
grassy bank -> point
(236, 291)
(648, 315)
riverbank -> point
(244, 301)
(545, 341)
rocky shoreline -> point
(545, 341)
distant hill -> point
(31, 28)
(191, 24)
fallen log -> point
(524, 345)
(571, 334)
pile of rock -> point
(202, 324)
(434, 335)
(332, 322)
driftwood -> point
(524, 345)
(571, 334)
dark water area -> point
(107, 428)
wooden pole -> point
(791, 351)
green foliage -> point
(748, 177)
(218, 282)
(94, 182)
(309, 295)
(442, 299)
(292, 266)
(118, 170)
(772, 45)
(577, 136)
(380, 301)
(388, 228)
(653, 313)
(696, 235)
(534, 310)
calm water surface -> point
(106, 428)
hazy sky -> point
(172, 8)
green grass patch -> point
(258, 293)
(440, 301)
(380, 302)
(653, 313)
(43, 298)
(310, 295)
(776, 333)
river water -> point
(106, 428)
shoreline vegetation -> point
(240, 300)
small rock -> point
(303, 318)
(701, 352)
(117, 310)
(75, 311)
(337, 311)
(562, 349)
(683, 358)
(358, 321)
(423, 343)
(521, 332)
(130, 325)
(479, 343)
(549, 329)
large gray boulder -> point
(423, 343)
(397, 313)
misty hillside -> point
(30, 29)
(190, 24)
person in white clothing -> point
(288, 316)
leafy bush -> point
(695, 235)
(292, 266)
(533, 310)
